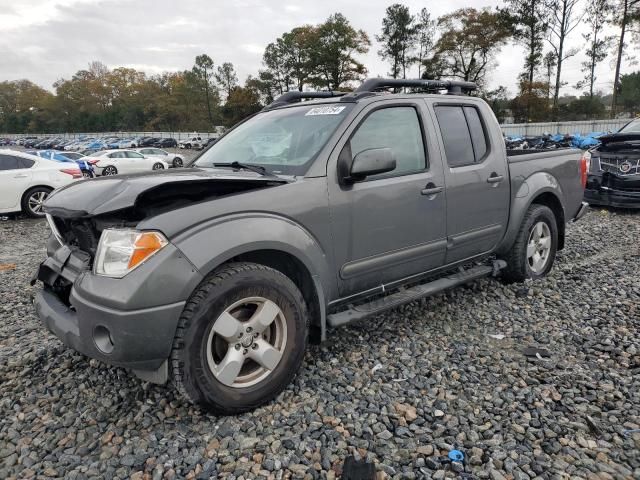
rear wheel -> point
(86, 174)
(534, 250)
(33, 200)
(110, 170)
(158, 166)
(241, 338)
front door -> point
(477, 179)
(388, 226)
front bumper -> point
(138, 339)
(613, 190)
(128, 322)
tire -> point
(86, 174)
(199, 352)
(177, 162)
(157, 166)
(109, 170)
(521, 265)
(32, 200)
(188, 146)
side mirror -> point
(371, 162)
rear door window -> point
(9, 162)
(463, 134)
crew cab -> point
(305, 217)
(614, 176)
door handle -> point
(431, 189)
(495, 178)
(20, 175)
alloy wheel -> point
(539, 247)
(246, 342)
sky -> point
(45, 40)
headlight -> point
(122, 250)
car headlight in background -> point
(122, 250)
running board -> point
(401, 297)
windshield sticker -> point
(324, 111)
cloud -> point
(44, 40)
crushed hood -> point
(152, 191)
(620, 137)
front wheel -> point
(534, 250)
(240, 340)
(177, 162)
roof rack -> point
(453, 87)
(296, 96)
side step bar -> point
(403, 296)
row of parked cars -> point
(28, 177)
(88, 143)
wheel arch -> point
(31, 187)
(542, 189)
(283, 245)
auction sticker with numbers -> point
(324, 111)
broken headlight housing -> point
(122, 250)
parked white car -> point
(195, 141)
(113, 162)
(27, 180)
(173, 159)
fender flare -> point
(212, 243)
(531, 188)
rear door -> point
(477, 179)
(15, 178)
(388, 226)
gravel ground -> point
(400, 390)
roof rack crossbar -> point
(453, 87)
(296, 96)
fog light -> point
(102, 339)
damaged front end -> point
(128, 319)
(614, 177)
(78, 215)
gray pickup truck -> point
(307, 216)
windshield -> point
(283, 141)
(632, 127)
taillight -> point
(74, 172)
(93, 162)
(585, 164)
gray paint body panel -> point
(350, 238)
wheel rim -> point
(36, 200)
(246, 342)
(177, 162)
(539, 247)
(109, 171)
(158, 166)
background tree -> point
(629, 96)
(203, 70)
(468, 43)
(226, 77)
(626, 15)
(425, 36)
(550, 63)
(335, 64)
(397, 38)
(596, 16)
(531, 103)
(564, 19)
(528, 19)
